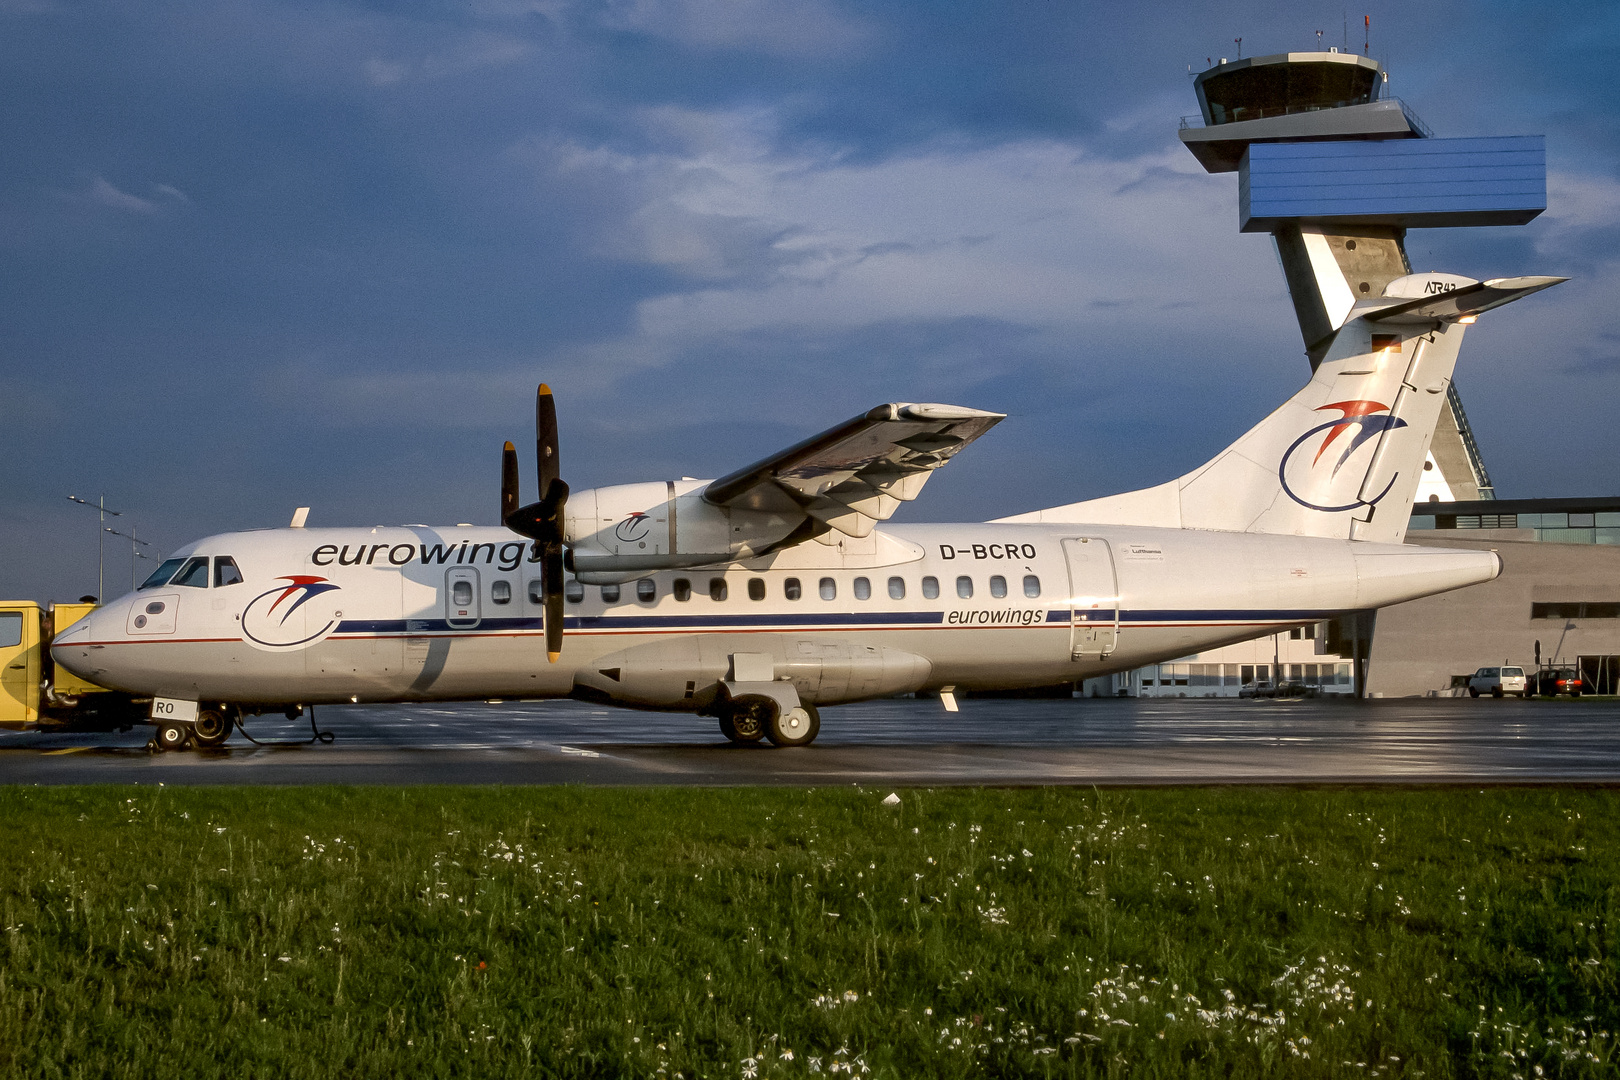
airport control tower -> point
(1337, 172)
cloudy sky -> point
(257, 255)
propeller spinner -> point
(542, 521)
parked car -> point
(1289, 688)
(1286, 688)
(1551, 682)
(1497, 681)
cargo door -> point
(461, 599)
(19, 665)
(1093, 598)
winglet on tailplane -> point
(1342, 458)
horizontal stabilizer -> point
(1462, 303)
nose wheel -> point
(172, 736)
(211, 728)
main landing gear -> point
(749, 718)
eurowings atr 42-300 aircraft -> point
(758, 597)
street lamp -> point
(134, 553)
(101, 565)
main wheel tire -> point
(211, 728)
(173, 736)
(746, 719)
(795, 727)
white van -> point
(1497, 681)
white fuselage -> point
(417, 613)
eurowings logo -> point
(279, 620)
(1320, 478)
(633, 528)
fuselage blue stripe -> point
(829, 621)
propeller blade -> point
(554, 603)
(545, 438)
(509, 481)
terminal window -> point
(1587, 610)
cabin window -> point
(646, 590)
(537, 591)
(610, 594)
(756, 588)
(897, 588)
(791, 588)
(682, 590)
(829, 589)
(717, 589)
(11, 627)
(964, 587)
(194, 574)
(162, 574)
(500, 592)
(930, 588)
(574, 591)
(225, 572)
(461, 594)
(998, 586)
(1032, 586)
(863, 589)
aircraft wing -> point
(857, 474)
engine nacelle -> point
(685, 674)
(617, 533)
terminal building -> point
(1336, 171)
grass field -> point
(739, 933)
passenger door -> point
(1093, 598)
(461, 599)
(19, 665)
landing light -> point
(1469, 320)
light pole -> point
(134, 554)
(99, 505)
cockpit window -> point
(162, 574)
(225, 572)
(194, 574)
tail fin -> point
(1342, 458)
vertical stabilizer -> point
(1343, 457)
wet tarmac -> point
(899, 742)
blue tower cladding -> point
(1401, 183)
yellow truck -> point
(37, 695)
